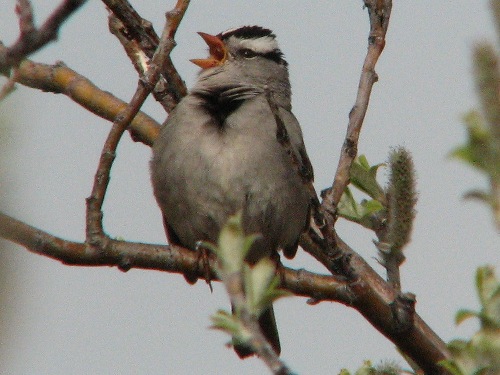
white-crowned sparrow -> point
(218, 153)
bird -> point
(218, 153)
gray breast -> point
(205, 169)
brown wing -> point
(307, 175)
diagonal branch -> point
(24, 12)
(379, 12)
(139, 29)
(374, 299)
(163, 95)
(60, 79)
(95, 235)
(32, 39)
(129, 26)
(322, 233)
(323, 237)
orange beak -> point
(217, 49)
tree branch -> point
(60, 79)
(379, 12)
(32, 39)
(174, 259)
(378, 302)
(140, 62)
(375, 301)
(426, 348)
(134, 27)
(251, 290)
(323, 234)
(369, 295)
(95, 235)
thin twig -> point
(24, 11)
(132, 48)
(140, 30)
(95, 235)
(322, 232)
(32, 39)
(94, 230)
(379, 12)
(262, 347)
(140, 62)
(233, 282)
(9, 86)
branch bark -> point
(379, 12)
(141, 31)
(95, 235)
(369, 295)
(60, 79)
(32, 39)
(174, 259)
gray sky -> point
(71, 320)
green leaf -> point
(464, 314)
(261, 285)
(227, 322)
(488, 288)
(487, 77)
(233, 245)
(364, 177)
(450, 365)
(363, 161)
(371, 206)
(231, 324)
(481, 151)
(348, 207)
(481, 354)
(465, 154)
(486, 283)
(356, 212)
(366, 369)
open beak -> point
(217, 50)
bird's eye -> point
(248, 53)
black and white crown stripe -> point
(247, 32)
(260, 40)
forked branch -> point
(94, 231)
(31, 38)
